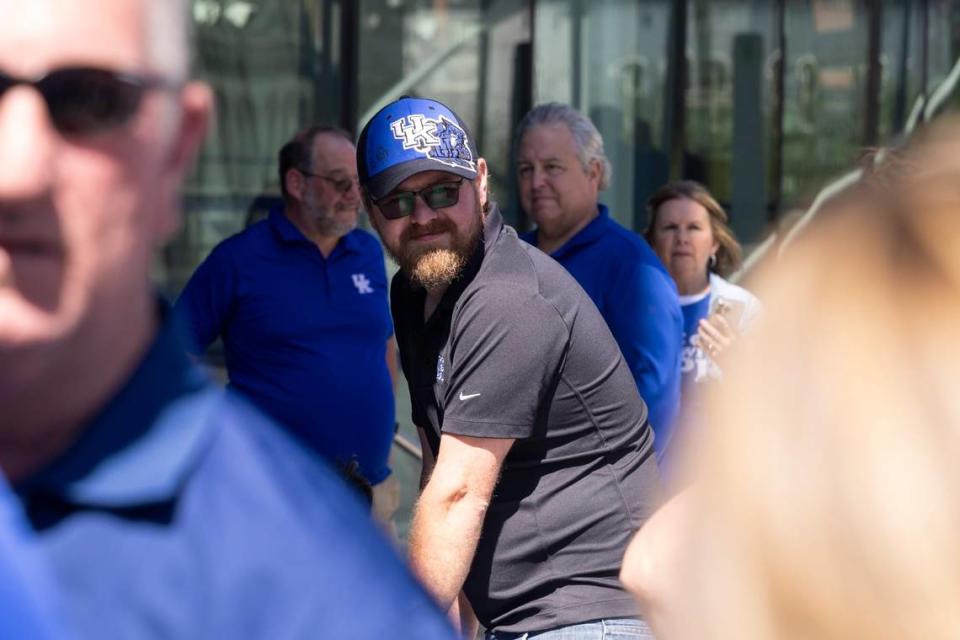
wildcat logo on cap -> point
(438, 139)
(411, 135)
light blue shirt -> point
(182, 512)
(29, 604)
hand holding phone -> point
(730, 310)
(718, 330)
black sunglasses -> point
(340, 185)
(400, 204)
(86, 100)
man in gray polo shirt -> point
(541, 455)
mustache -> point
(437, 225)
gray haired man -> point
(561, 169)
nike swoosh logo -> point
(467, 397)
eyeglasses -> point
(437, 196)
(86, 100)
(340, 185)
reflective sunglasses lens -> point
(398, 206)
(85, 101)
(441, 196)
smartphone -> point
(731, 310)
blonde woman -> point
(688, 230)
(826, 506)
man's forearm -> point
(443, 538)
(451, 510)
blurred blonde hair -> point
(829, 493)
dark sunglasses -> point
(400, 204)
(86, 100)
(340, 185)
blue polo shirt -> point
(304, 336)
(182, 512)
(28, 600)
(637, 297)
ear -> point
(595, 173)
(482, 181)
(196, 110)
(189, 131)
(293, 181)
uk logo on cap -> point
(439, 139)
(411, 135)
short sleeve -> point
(646, 320)
(505, 353)
(207, 299)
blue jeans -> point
(610, 629)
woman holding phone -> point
(688, 230)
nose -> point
(422, 214)
(27, 140)
(538, 178)
(353, 193)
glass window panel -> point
(274, 67)
(901, 64)
(609, 60)
(731, 54)
(464, 54)
(824, 84)
(943, 47)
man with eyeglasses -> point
(300, 301)
(538, 460)
(164, 507)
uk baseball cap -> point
(411, 135)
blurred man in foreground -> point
(165, 508)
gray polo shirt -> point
(516, 349)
